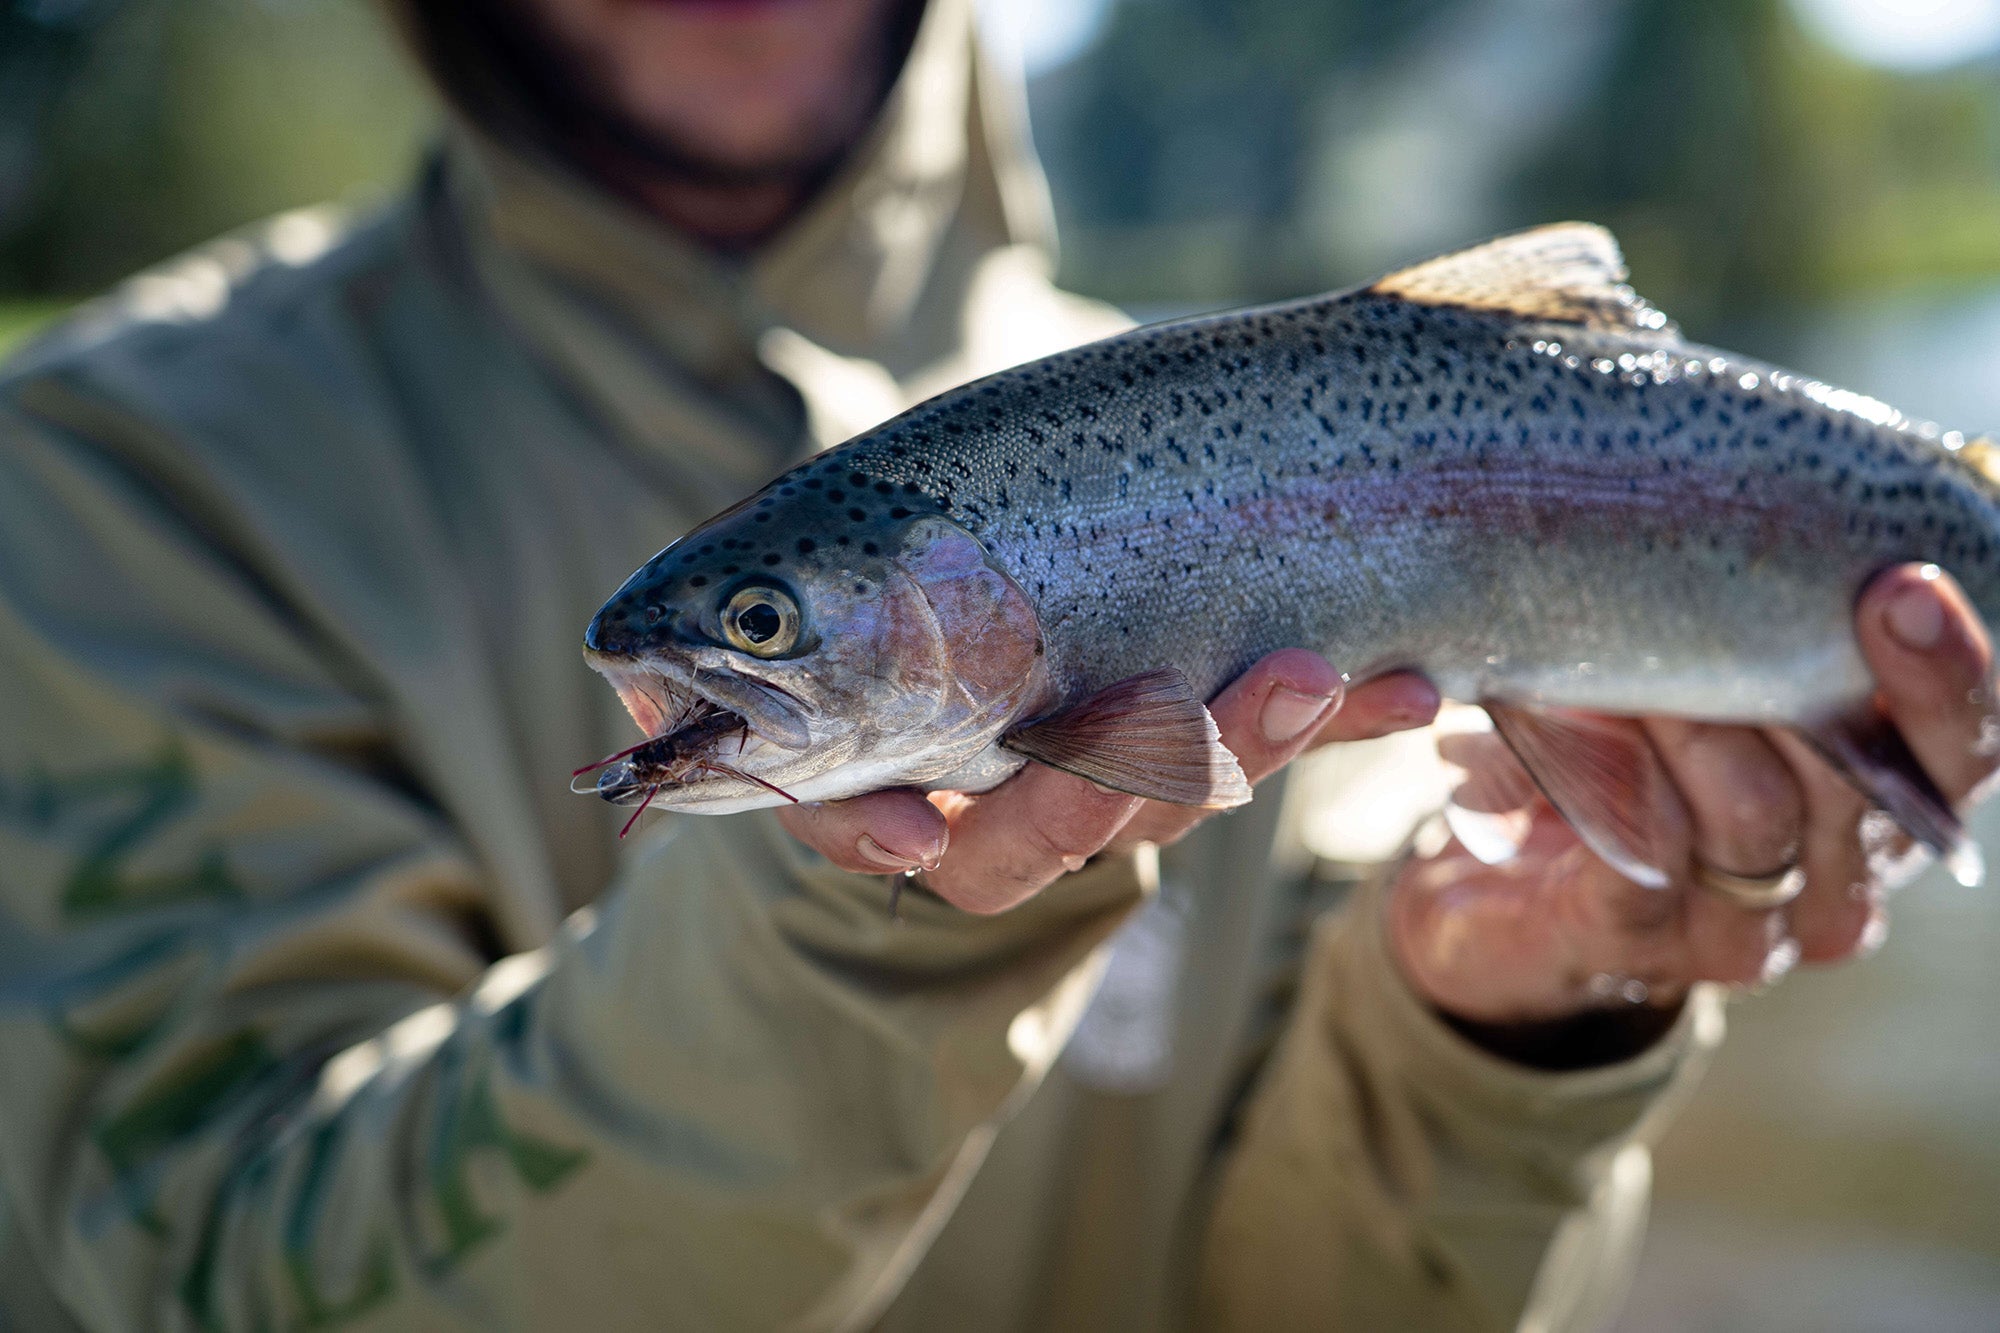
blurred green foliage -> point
(1202, 151)
(158, 123)
(1207, 151)
(1743, 164)
(18, 319)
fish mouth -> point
(695, 720)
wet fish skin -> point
(1512, 476)
(1403, 486)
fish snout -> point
(634, 621)
(619, 629)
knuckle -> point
(1073, 819)
(1758, 817)
(1063, 842)
(1162, 829)
(1063, 845)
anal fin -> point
(1600, 775)
(1147, 735)
(1869, 752)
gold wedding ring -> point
(1756, 893)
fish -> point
(1502, 468)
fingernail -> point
(875, 854)
(1916, 619)
(1288, 712)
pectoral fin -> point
(1600, 775)
(1148, 735)
(1870, 753)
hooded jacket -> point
(323, 1001)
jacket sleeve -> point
(1389, 1174)
(260, 1065)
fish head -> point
(777, 653)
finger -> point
(1934, 663)
(1741, 795)
(1747, 816)
(1020, 837)
(1729, 942)
(884, 832)
(1399, 701)
(1830, 919)
(1266, 716)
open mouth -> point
(690, 733)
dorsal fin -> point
(1566, 273)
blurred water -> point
(1840, 1169)
(1932, 352)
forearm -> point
(1390, 1174)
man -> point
(325, 1002)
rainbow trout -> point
(1501, 468)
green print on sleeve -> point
(177, 1107)
(117, 810)
(468, 1119)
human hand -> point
(988, 852)
(1556, 932)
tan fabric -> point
(323, 1001)
(1476, 1191)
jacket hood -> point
(872, 278)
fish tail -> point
(1973, 468)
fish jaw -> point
(700, 723)
(910, 670)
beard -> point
(517, 79)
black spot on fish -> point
(870, 548)
(698, 581)
(773, 558)
(857, 515)
(807, 546)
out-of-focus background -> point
(1814, 181)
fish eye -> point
(761, 621)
